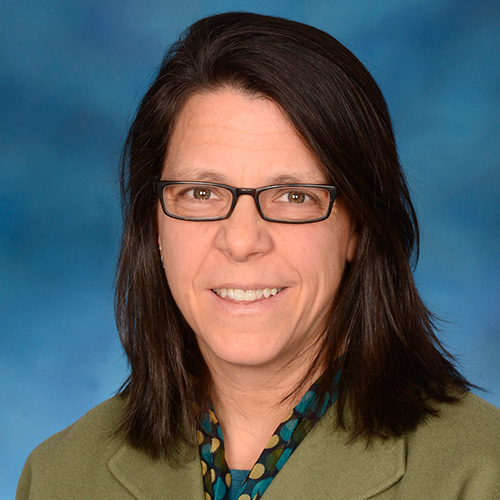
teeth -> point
(240, 295)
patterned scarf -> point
(286, 438)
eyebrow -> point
(294, 179)
(193, 174)
(211, 176)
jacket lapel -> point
(152, 479)
(326, 466)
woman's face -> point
(233, 139)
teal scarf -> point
(286, 438)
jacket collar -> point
(151, 479)
(324, 466)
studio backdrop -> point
(72, 74)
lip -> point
(252, 286)
(257, 306)
(247, 295)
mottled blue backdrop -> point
(72, 73)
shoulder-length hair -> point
(380, 335)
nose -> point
(244, 235)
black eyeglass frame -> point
(237, 192)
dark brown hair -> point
(392, 367)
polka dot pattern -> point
(289, 434)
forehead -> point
(226, 135)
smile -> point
(240, 295)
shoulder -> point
(89, 460)
(82, 450)
(92, 431)
(459, 448)
(470, 422)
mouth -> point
(240, 295)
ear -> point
(353, 242)
(157, 235)
(159, 250)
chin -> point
(253, 351)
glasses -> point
(209, 201)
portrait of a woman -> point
(278, 346)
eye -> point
(296, 197)
(202, 193)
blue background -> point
(72, 74)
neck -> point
(250, 403)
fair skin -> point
(258, 350)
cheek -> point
(319, 252)
(330, 266)
(175, 252)
(184, 247)
(324, 261)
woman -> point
(278, 346)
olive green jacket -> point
(454, 456)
